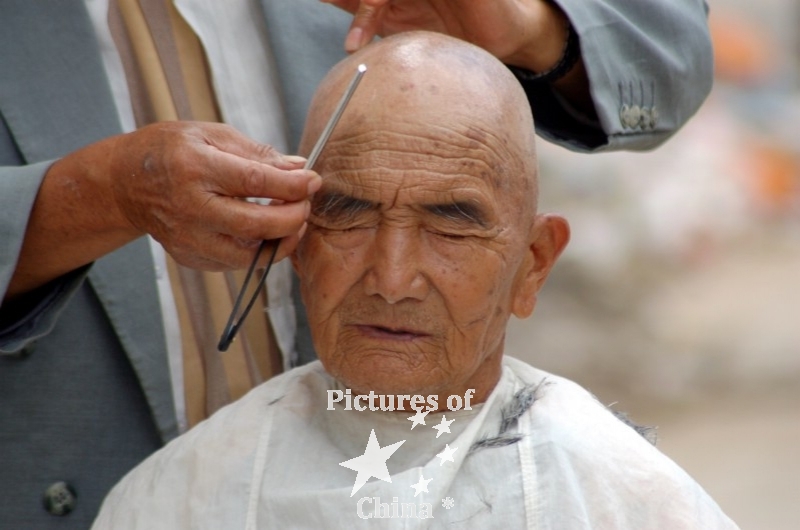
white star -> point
(418, 418)
(372, 463)
(443, 427)
(421, 486)
(447, 454)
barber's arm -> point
(179, 182)
(33, 313)
(640, 71)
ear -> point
(548, 237)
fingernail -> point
(353, 41)
(314, 184)
(293, 159)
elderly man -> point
(100, 355)
(422, 241)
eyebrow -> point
(459, 211)
(333, 204)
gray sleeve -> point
(650, 67)
(32, 315)
(18, 189)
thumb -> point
(366, 23)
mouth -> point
(390, 333)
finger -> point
(228, 140)
(237, 254)
(286, 246)
(231, 176)
(347, 5)
(254, 222)
(221, 252)
(213, 252)
(366, 24)
(289, 243)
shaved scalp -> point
(429, 80)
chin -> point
(387, 373)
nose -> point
(395, 272)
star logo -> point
(447, 454)
(418, 418)
(421, 486)
(448, 502)
(443, 427)
(372, 463)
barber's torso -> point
(88, 401)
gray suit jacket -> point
(84, 385)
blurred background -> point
(678, 298)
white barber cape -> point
(272, 461)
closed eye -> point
(337, 211)
(449, 235)
(461, 214)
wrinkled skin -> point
(185, 190)
(182, 183)
(423, 239)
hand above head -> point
(530, 34)
(182, 182)
(526, 33)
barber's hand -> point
(184, 184)
(526, 33)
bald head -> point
(423, 238)
(435, 93)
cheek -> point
(327, 271)
(471, 278)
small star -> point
(421, 486)
(448, 502)
(419, 418)
(372, 463)
(447, 454)
(443, 427)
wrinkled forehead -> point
(407, 149)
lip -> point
(392, 333)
